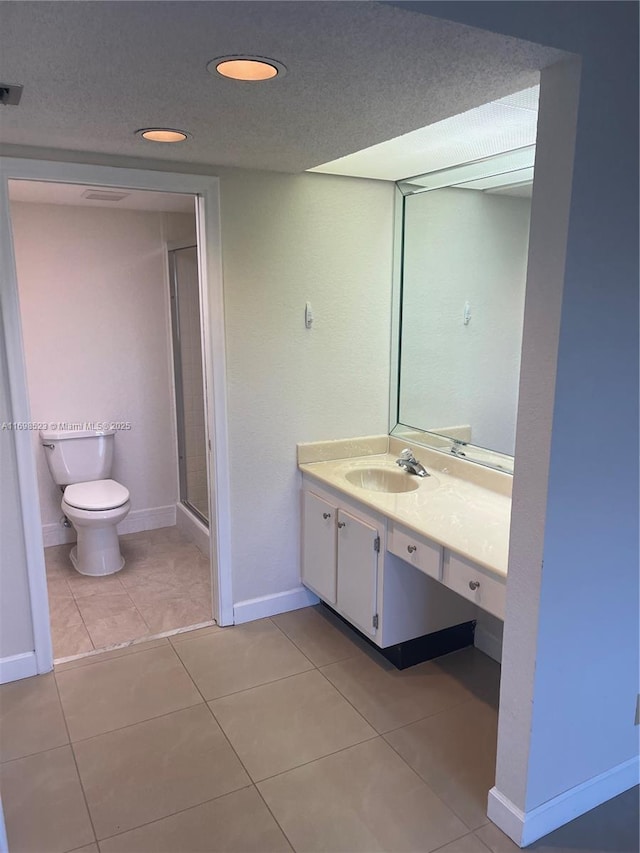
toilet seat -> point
(96, 495)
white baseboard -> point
(18, 666)
(56, 534)
(271, 605)
(192, 528)
(526, 827)
(148, 519)
(488, 643)
(137, 520)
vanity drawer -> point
(475, 583)
(420, 552)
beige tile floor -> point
(164, 585)
(288, 733)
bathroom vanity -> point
(402, 557)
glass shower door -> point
(189, 380)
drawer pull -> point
(412, 548)
(474, 584)
(342, 524)
(326, 515)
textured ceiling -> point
(493, 128)
(359, 73)
(47, 192)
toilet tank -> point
(78, 456)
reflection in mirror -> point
(464, 261)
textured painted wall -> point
(463, 246)
(94, 305)
(288, 239)
(570, 665)
(16, 635)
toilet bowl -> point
(94, 509)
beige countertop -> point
(464, 515)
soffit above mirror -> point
(503, 125)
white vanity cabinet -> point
(421, 552)
(340, 560)
(345, 561)
(475, 583)
(319, 538)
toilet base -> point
(99, 556)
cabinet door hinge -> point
(375, 621)
(376, 544)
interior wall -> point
(16, 634)
(463, 246)
(570, 670)
(95, 316)
(179, 228)
(288, 239)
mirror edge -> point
(454, 447)
(396, 303)
(433, 441)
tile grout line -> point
(172, 814)
(357, 710)
(84, 623)
(381, 735)
(75, 762)
(125, 592)
(91, 658)
(136, 645)
(317, 666)
(226, 737)
(277, 822)
(231, 747)
(123, 589)
(471, 834)
(435, 793)
(304, 764)
(428, 717)
(203, 702)
(39, 752)
(256, 686)
(404, 725)
(128, 726)
(376, 736)
(75, 603)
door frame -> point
(207, 193)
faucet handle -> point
(407, 455)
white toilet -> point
(80, 461)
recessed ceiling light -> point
(250, 69)
(162, 134)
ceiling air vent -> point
(10, 94)
(104, 195)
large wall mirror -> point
(462, 271)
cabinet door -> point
(319, 546)
(357, 571)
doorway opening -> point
(93, 273)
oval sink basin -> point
(382, 480)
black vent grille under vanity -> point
(10, 94)
(420, 649)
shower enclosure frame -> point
(178, 378)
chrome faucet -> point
(456, 447)
(410, 464)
